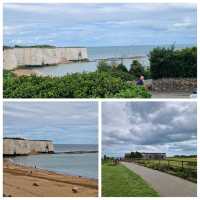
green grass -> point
(192, 159)
(118, 181)
(174, 166)
(189, 163)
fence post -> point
(168, 164)
(182, 163)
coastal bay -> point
(77, 164)
(60, 162)
(38, 182)
(112, 54)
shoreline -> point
(33, 70)
(9, 160)
(26, 72)
(43, 183)
(53, 152)
(75, 152)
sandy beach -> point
(25, 72)
(21, 181)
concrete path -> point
(177, 95)
(165, 184)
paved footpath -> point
(165, 184)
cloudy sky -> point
(62, 122)
(167, 127)
(99, 24)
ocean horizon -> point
(75, 147)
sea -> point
(77, 164)
(139, 52)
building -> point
(154, 156)
(146, 156)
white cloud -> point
(149, 125)
(103, 24)
(60, 121)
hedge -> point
(85, 85)
(171, 63)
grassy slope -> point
(120, 181)
(193, 159)
(188, 172)
(176, 162)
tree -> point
(121, 67)
(138, 154)
(103, 66)
(163, 62)
(171, 63)
(136, 69)
(133, 155)
(105, 157)
(147, 73)
(115, 70)
(113, 65)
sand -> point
(25, 72)
(21, 181)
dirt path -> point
(166, 184)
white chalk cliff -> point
(36, 56)
(17, 146)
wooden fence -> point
(183, 164)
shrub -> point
(187, 61)
(103, 66)
(133, 92)
(136, 69)
(171, 63)
(147, 73)
(116, 70)
(123, 75)
(121, 68)
(85, 85)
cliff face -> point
(9, 59)
(15, 57)
(13, 146)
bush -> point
(125, 76)
(187, 61)
(136, 69)
(133, 92)
(147, 73)
(171, 63)
(85, 85)
(121, 68)
(103, 66)
(115, 70)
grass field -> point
(187, 163)
(192, 159)
(183, 167)
(118, 181)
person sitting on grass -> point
(140, 81)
